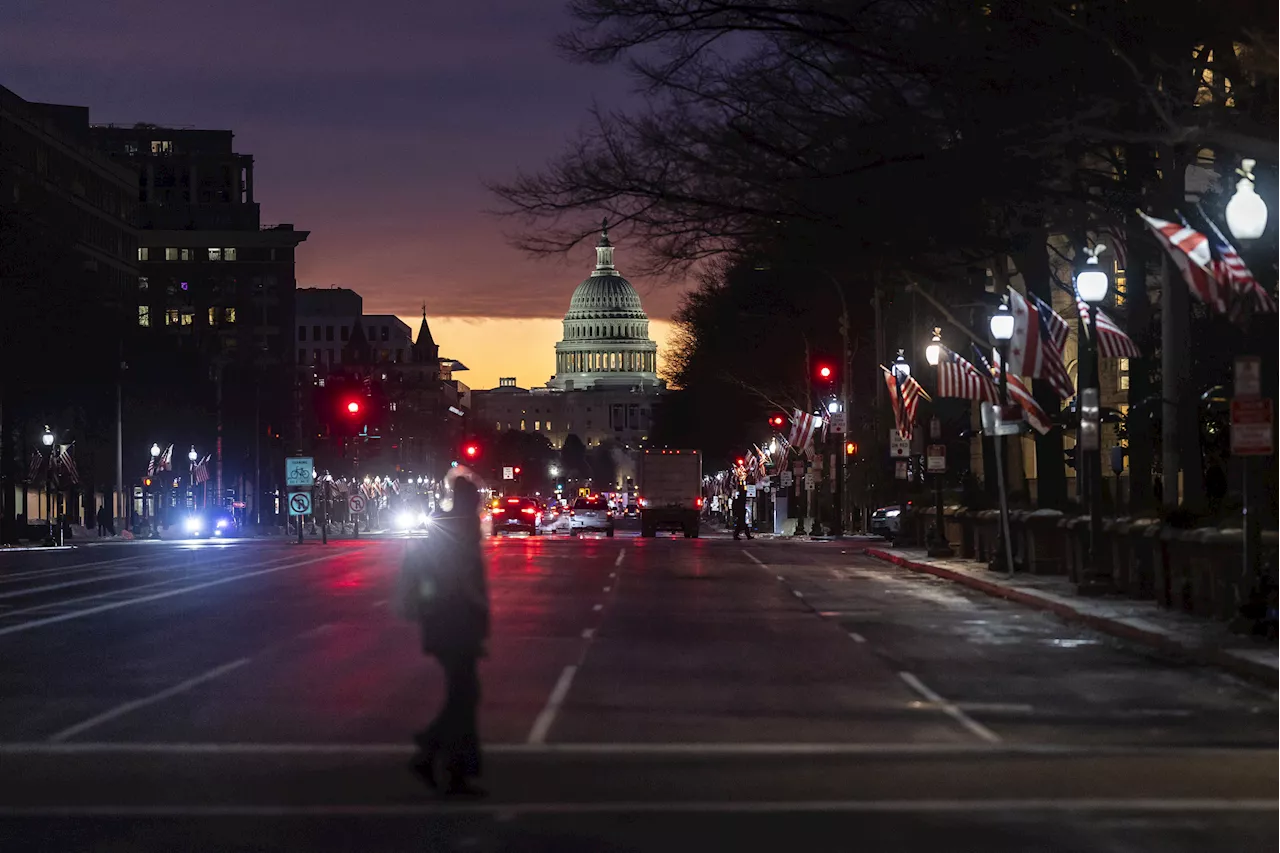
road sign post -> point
(355, 506)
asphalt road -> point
(664, 694)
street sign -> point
(839, 422)
(300, 503)
(787, 479)
(817, 463)
(998, 422)
(808, 481)
(936, 459)
(297, 471)
(1251, 426)
(1248, 376)
(751, 491)
(900, 470)
(355, 503)
(899, 446)
(508, 473)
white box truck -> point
(670, 491)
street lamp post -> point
(154, 516)
(1092, 285)
(1001, 328)
(1246, 215)
(192, 456)
(940, 546)
(47, 440)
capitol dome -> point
(606, 332)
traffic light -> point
(146, 482)
(516, 470)
(825, 373)
(353, 407)
(777, 421)
(741, 461)
(851, 448)
(471, 451)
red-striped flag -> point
(1112, 341)
(1021, 394)
(1190, 252)
(959, 378)
(802, 424)
(1031, 351)
(1057, 328)
(65, 464)
(37, 463)
(904, 411)
(1230, 269)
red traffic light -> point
(824, 372)
(777, 421)
(353, 408)
(472, 451)
(742, 461)
(516, 470)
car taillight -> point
(699, 503)
(528, 510)
(498, 510)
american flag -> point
(1112, 341)
(959, 378)
(1057, 329)
(63, 462)
(1231, 271)
(200, 470)
(1031, 351)
(802, 424)
(1115, 239)
(1190, 252)
(1021, 394)
(166, 459)
(151, 467)
(37, 463)
(904, 411)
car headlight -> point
(222, 522)
(193, 525)
(423, 518)
(892, 513)
(404, 519)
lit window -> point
(522, 426)
(498, 426)
(392, 406)
(548, 426)
(215, 254)
(537, 426)
(159, 146)
(1124, 382)
(186, 254)
(228, 254)
(229, 315)
(144, 254)
(170, 254)
(1124, 365)
(188, 317)
(144, 315)
(171, 317)
(143, 283)
(213, 316)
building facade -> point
(606, 384)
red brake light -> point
(497, 510)
(528, 510)
(513, 500)
(699, 503)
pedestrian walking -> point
(740, 513)
(105, 522)
(443, 588)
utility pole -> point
(122, 504)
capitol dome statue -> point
(606, 333)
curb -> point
(1242, 667)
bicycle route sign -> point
(300, 503)
(297, 472)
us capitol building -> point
(606, 380)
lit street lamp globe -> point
(1246, 211)
(833, 406)
(1002, 324)
(47, 438)
(933, 352)
(555, 472)
(901, 369)
(1092, 282)
(191, 454)
(155, 449)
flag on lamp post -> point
(1032, 351)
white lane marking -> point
(996, 707)
(80, 582)
(618, 562)
(797, 593)
(623, 749)
(598, 607)
(856, 637)
(753, 558)
(972, 725)
(380, 602)
(613, 574)
(77, 567)
(115, 605)
(921, 806)
(127, 707)
(542, 725)
(588, 633)
(607, 588)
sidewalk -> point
(1138, 621)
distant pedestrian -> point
(443, 587)
(740, 513)
(105, 522)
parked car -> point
(516, 515)
(589, 514)
(886, 521)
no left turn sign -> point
(300, 503)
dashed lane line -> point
(542, 725)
